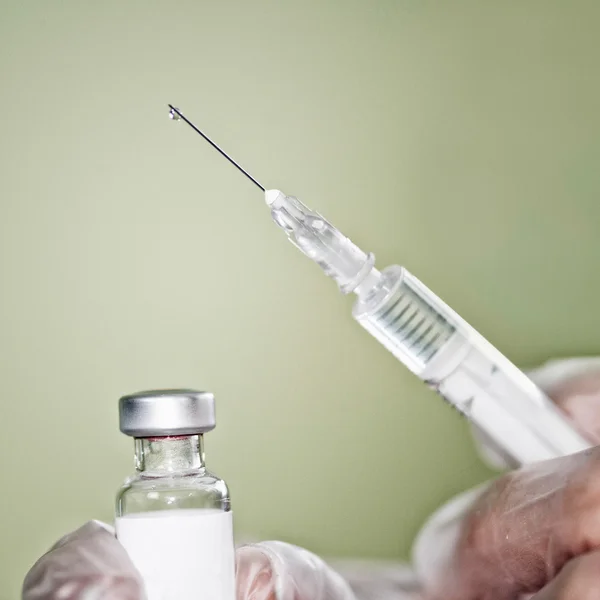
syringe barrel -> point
(427, 336)
(442, 349)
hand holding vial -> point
(91, 563)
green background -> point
(460, 139)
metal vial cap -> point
(162, 413)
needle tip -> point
(174, 113)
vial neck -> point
(169, 455)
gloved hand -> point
(90, 563)
(574, 386)
(536, 530)
(528, 527)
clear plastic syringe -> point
(434, 342)
(427, 336)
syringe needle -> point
(176, 114)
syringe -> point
(427, 336)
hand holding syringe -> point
(427, 336)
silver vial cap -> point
(161, 413)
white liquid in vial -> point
(182, 554)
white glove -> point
(279, 571)
(573, 384)
(90, 563)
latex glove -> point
(86, 562)
(573, 384)
(280, 571)
(527, 527)
(577, 581)
(90, 563)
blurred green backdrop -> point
(458, 138)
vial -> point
(173, 516)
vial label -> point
(181, 554)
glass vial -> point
(173, 516)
